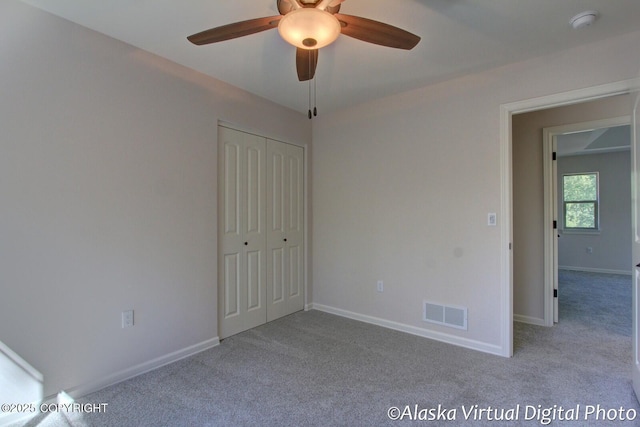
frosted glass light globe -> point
(309, 28)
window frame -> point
(596, 204)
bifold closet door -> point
(261, 230)
(285, 229)
(242, 251)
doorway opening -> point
(508, 112)
(587, 170)
(536, 222)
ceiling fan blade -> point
(376, 32)
(235, 30)
(306, 63)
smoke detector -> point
(583, 19)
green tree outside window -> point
(580, 198)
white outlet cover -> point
(492, 219)
(127, 319)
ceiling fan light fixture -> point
(309, 28)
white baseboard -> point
(595, 270)
(99, 384)
(425, 333)
(530, 320)
(134, 371)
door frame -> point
(507, 110)
(635, 206)
(550, 177)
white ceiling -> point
(595, 141)
(458, 37)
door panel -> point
(285, 178)
(295, 271)
(232, 189)
(276, 190)
(242, 293)
(254, 190)
(254, 281)
(295, 228)
(231, 285)
(276, 209)
(277, 275)
(295, 193)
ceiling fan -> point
(310, 25)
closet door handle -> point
(246, 243)
(285, 240)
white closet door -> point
(242, 260)
(285, 228)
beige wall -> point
(528, 199)
(108, 183)
(108, 175)
(403, 186)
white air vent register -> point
(455, 317)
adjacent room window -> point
(580, 200)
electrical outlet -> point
(589, 250)
(492, 219)
(127, 319)
(380, 286)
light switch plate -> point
(492, 219)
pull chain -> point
(309, 71)
(315, 95)
(315, 90)
(309, 99)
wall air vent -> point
(455, 317)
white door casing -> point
(635, 249)
(554, 295)
(550, 164)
